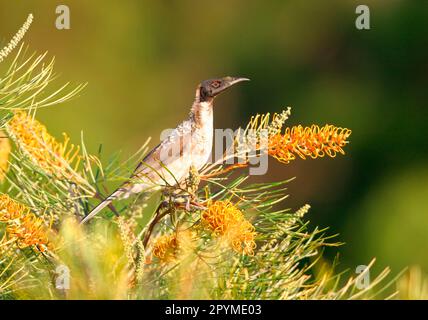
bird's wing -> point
(168, 163)
(168, 160)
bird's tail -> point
(116, 194)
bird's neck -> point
(202, 113)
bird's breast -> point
(202, 141)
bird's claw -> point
(188, 204)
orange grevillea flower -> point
(225, 219)
(22, 225)
(173, 247)
(310, 142)
(34, 139)
(29, 231)
(165, 247)
(11, 209)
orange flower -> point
(224, 219)
(305, 142)
(34, 139)
(22, 225)
(29, 231)
(11, 209)
(165, 247)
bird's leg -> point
(186, 194)
(173, 198)
(177, 201)
(188, 204)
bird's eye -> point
(215, 84)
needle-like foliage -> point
(213, 236)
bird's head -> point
(209, 89)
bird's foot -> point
(188, 204)
(185, 202)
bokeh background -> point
(143, 59)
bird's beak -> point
(237, 80)
(227, 83)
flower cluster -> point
(225, 219)
(264, 133)
(53, 157)
(22, 225)
(313, 142)
(165, 247)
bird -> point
(187, 147)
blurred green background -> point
(143, 59)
